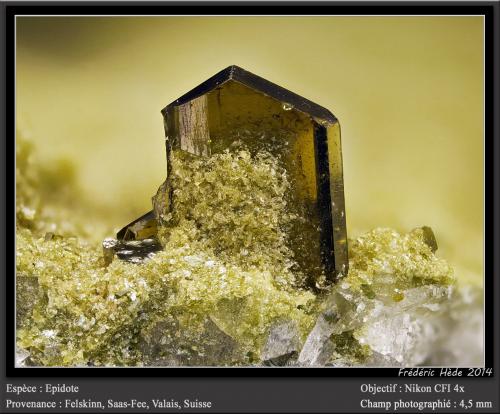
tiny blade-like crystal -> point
(134, 251)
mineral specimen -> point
(236, 107)
(396, 286)
(223, 288)
(171, 310)
(283, 343)
(133, 251)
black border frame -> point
(269, 8)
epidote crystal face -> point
(237, 111)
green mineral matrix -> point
(251, 223)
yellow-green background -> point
(408, 92)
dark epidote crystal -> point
(236, 107)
